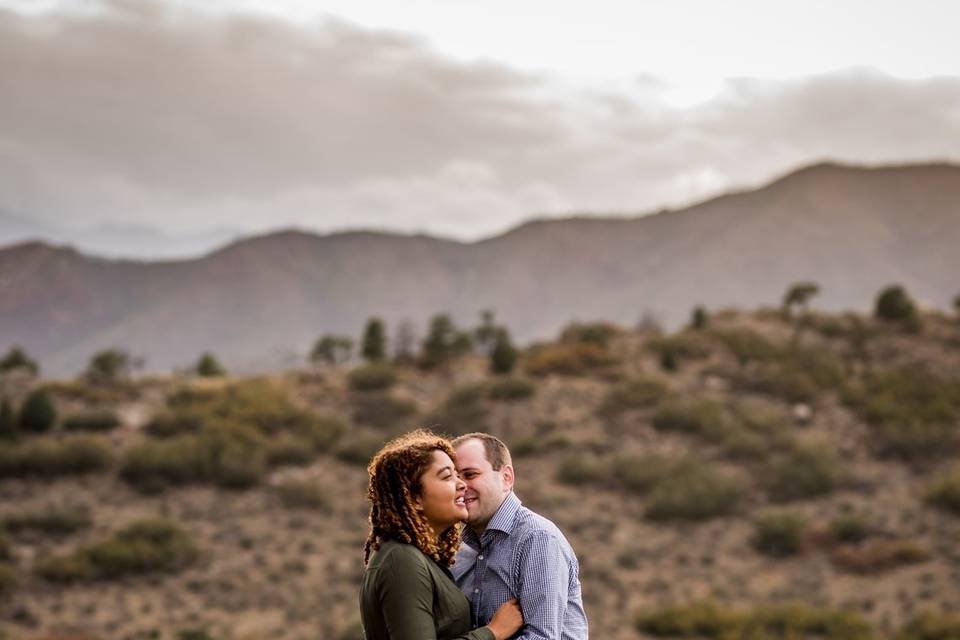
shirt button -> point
(476, 590)
(480, 557)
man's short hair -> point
(496, 452)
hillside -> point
(804, 471)
(259, 303)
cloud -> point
(139, 112)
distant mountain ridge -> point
(260, 302)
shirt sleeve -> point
(406, 595)
(543, 577)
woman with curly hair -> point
(416, 510)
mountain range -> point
(259, 303)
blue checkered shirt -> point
(523, 555)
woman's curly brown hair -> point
(394, 483)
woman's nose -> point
(460, 483)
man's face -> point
(486, 488)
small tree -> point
(331, 350)
(699, 318)
(38, 413)
(209, 367)
(374, 347)
(485, 335)
(956, 304)
(108, 366)
(503, 357)
(438, 346)
(798, 295)
(8, 421)
(17, 358)
(894, 305)
(404, 342)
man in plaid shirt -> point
(509, 551)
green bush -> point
(38, 414)
(360, 449)
(877, 556)
(9, 430)
(687, 345)
(640, 474)
(145, 546)
(931, 626)
(696, 417)
(303, 494)
(709, 620)
(463, 411)
(641, 392)
(510, 389)
(577, 469)
(51, 521)
(75, 455)
(912, 413)
(694, 493)
(779, 534)
(576, 359)
(373, 377)
(108, 366)
(286, 449)
(96, 421)
(230, 457)
(382, 410)
(6, 552)
(745, 344)
(8, 578)
(944, 493)
(850, 529)
(595, 333)
(16, 358)
(503, 356)
(209, 367)
(806, 472)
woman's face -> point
(441, 494)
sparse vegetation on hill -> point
(763, 465)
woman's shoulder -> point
(393, 553)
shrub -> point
(47, 459)
(8, 578)
(52, 521)
(804, 473)
(230, 457)
(6, 553)
(595, 333)
(745, 344)
(463, 411)
(694, 493)
(894, 305)
(286, 449)
(578, 469)
(92, 421)
(145, 546)
(38, 414)
(931, 626)
(209, 367)
(303, 494)
(779, 534)
(443, 342)
(503, 356)
(696, 417)
(708, 620)
(912, 413)
(567, 359)
(372, 377)
(944, 493)
(16, 358)
(382, 410)
(637, 393)
(849, 529)
(640, 474)
(688, 345)
(510, 389)
(359, 450)
(8, 421)
(699, 318)
(876, 556)
(331, 350)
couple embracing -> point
(509, 573)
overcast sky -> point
(459, 118)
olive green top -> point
(405, 595)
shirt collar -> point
(502, 520)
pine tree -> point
(209, 367)
(504, 355)
(374, 347)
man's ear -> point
(507, 471)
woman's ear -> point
(418, 503)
